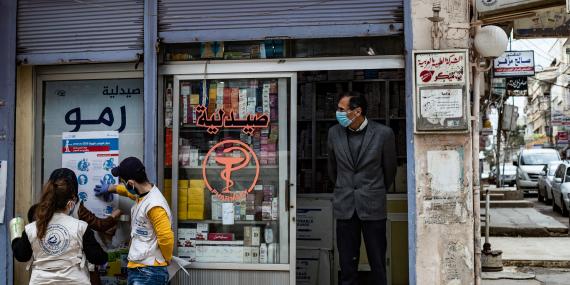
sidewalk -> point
(526, 222)
(540, 252)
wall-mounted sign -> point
(224, 159)
(550, 22)
(559, 118)
(440, 91)
(517, 86)
(514, 63)
(440, 68)
(490, 7)
(92, 105)
(499, 86)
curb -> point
(538, 263)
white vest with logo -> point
(58, 258)
(144, 244)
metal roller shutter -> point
(209, 20)
(61, 31)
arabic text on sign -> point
(73, 118)
(219, 120)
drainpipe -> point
(476, 175)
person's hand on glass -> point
(105, 190)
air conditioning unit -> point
(506, 8)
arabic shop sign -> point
(218, 120)
(551, 22)
(517, 86)
(93, 105)
(502, 6)
(514, 63)
(440, 68)
(440, 102)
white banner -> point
(92, 105)
(514, 64)
(92, 155)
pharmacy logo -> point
(232, 156)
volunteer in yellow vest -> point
(152, 239)
(58, 244)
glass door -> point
(231, 182)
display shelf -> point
(236, 222)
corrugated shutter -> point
(55, 31)
(209, 20)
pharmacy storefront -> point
(244, 112)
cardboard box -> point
(255, 236)
(219, 251)
(202, 230)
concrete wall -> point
(444, 219)
(24, 155)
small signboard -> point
(514, 64)
(440, 91)
(501, 6)
(517, 86)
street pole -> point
(498, 147)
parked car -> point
(508, 175)
(545, 181)
(561, 189)
(530, 163)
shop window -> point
(300, 48)
(317, 102)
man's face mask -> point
(129, 187)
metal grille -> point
(203, 20)
(230, 277)
(74, 26)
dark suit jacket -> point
(361, 183)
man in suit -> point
(362, 165)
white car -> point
(530, 163)
(561, 189)
(545, 182)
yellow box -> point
(195, 183)
(183, 215)
(183, 184)
(195, 212)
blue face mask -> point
(131, 189)
(342, 118)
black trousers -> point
(348, 244)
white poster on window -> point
(92, 155)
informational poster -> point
(92, 105)
(441, 106)
(3, 186)
(514, 64)
(440, 68)
(92, 155)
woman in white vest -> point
(57, 244)
(152, 239)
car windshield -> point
(538, 158)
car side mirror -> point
(558, 180)
(515, 163)
(543, 173)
